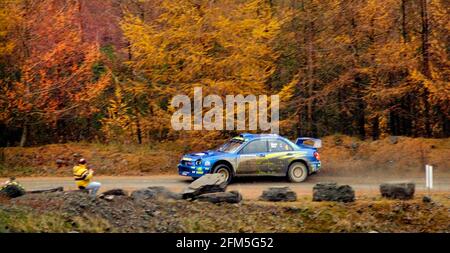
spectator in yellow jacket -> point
(83, 177)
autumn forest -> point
(106, 70)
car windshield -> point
(231, 146)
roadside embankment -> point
(341, 155)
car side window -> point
(255, 147)
(279, 146)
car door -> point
(252, 158)
(279, 155)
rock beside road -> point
(209, 183)
(61, 162)
(12, 191)
(57, 189)
(278, 194)
(109, 195)
(426, 199)
(333, 192)
(393, 139)
(220, 197)
(398, 190)
(124, 215)
(156, 192)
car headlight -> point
(198, 162)
(207, 163)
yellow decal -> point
(283, 155)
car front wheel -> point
(224, 170)
(298, 172)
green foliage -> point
(109, 51)
(98, 69)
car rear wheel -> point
(224, 170)
(297, 172)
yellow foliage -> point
(203, 43)
(9, 18)
(118, 125)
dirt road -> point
(250, 187)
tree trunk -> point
(426, 114)
(375, 128)
(23, 139)
(80, 19)
(398, 124)
(404, 30)
(361, 118)
(342, 118)
(392, 125)
(445, 125)
(310, 67)
(425, 39)
(138, 130)
(425, 64)
(299, 124)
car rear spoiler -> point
(317, 143)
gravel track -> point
(250, 187)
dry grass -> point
(104, 159)
(17, 220)
(345, 155)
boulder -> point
(57, 189)
(398, 190)
(393, 139)
(208, 183)
(333, 192)
(219, 197)
(60, 163)
(108, 197)
(278, 194)
(154, 192)
(113, 192)
(12, 190)
(426, 199)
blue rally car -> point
(256, 154)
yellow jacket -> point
(82, 175)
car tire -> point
(224, 169)
(297, 172)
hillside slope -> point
(341, 155)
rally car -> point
(256, 154)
